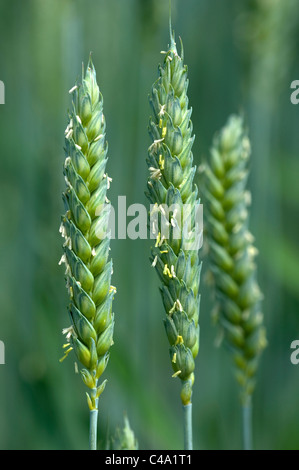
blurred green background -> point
(242, 57)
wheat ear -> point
(173, 194)
(84, 227)
(231, 255)
(125, 438)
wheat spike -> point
(231, 251)
(84, 227)
(172, 193)
(125, 438)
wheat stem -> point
(247, 424)
(187, 410)
(93, 421)
(93, 429)
(170, 26)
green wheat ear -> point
(231, 252)
(125, 438)
(170, 186)
(84, 227)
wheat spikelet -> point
(84, 227)
(172, 193)
(231, 251)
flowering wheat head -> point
(88, 269)
(231, 250)
(173, 198)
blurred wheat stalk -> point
(231, 255)
(86, 249)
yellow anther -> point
(164, 130)
(172, 309)
(177, 373)
(161, 162)
(174, 358)
(179, 340)
(158, 240)
(166, 271)
(66, 354)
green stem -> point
(93, 429)
(93, 421)
(187, 409)
(247, 424)
(170, 27)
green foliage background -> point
(242, 56)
